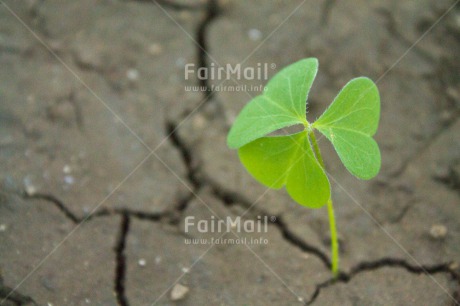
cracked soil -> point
(104, 154)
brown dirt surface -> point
(106, 152)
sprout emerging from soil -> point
(295, 160)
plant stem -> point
(316, 149)
(334, 240)
(330, 212)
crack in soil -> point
(54, 200)
(212, 12)
(406, 208)
(78, 112)
(191, 166)
(7, 294)
(37, 19)
(385, 263)
(187, 157)
(392, 28)
(301, 244)
(102, 72)
(153, 217)
(444, 77)
(426, 145)
(326, 11)
(174, 5)
(451, 180)
(230, 198)
(120, 255)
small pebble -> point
(142, 262)
(185, 270)
(29, 186)
(132, 74)
(254, 34)
(90, 55)
(157, 259)
(2, 227)
(199, 122)
(155, 49)
(438, 231)
(66, 169)
(48, 283)
(179, 292)
(69, 180)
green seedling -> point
(295, 160)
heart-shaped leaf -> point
(282, 104)
(288, 160)
(350, 122)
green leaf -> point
(287, 160)
(350, 122)
(282, 104)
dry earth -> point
(104, 154)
